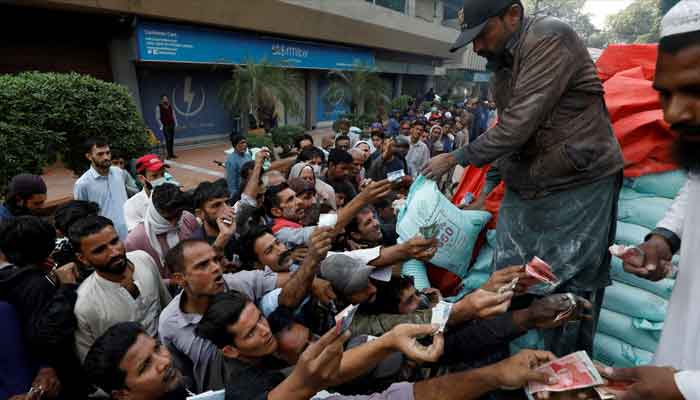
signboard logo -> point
(188, 97)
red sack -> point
(621, 57)
(635, 110)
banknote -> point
(575, 371)
(441, 314)
(541, 271)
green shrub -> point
(25, 149)
(259, 141)
(73, 107)
(284, 136)
(361, 121)
(401, 102)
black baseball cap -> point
(474, 16)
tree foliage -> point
(361, 88)
(569, 11)
(256, 85)
(43, 115)
(637, 23)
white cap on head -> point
(684, 17)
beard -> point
(284, 260)
(179, 391)
(116, 265)
(211, 222)
(295, 215)
(687, 152)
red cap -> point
(150, 162)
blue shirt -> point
(393, 127)
(4, 212)
(109, 192)
(233, 165)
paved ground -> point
(193, 165)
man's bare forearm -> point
(391, 255)
(252, 187)
(283, 165)
(460, 386)
(359, 360)
(347, 213)
(299, 284)
(462, 311)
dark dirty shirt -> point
(570, 230)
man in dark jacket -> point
(555, 149)
(44, 304)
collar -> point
(281, 223)
(109, 284)
(96, 175)
(506, 60)
(184, 319)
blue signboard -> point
(162, 42)
(328, 109)
(194, 96)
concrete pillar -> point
(398, 85)
(429, 82)
(122, 53)
(411, 8)
(439, 12)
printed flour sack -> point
(457, 230)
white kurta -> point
(679, 346)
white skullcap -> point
(684, 17)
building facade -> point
(185, 49)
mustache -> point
(284, 257)
(118, 260)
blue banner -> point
(194, 96)
(329, 109)
(162, 42)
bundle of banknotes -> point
(577, 372)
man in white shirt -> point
(124, 287)
(150, 172)
(677, 79)
(103, 184)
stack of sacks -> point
(634, 308)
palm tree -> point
(256, 86)
(361, 88)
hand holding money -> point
(541, 272)
(403, 338)
(505, 280)
(573, 372)
(516, 371)
(420, 248)
(639, 383)
(557, 309)
(655, 263)
(485, 304)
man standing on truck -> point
(555, 149)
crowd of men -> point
(138, 289)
